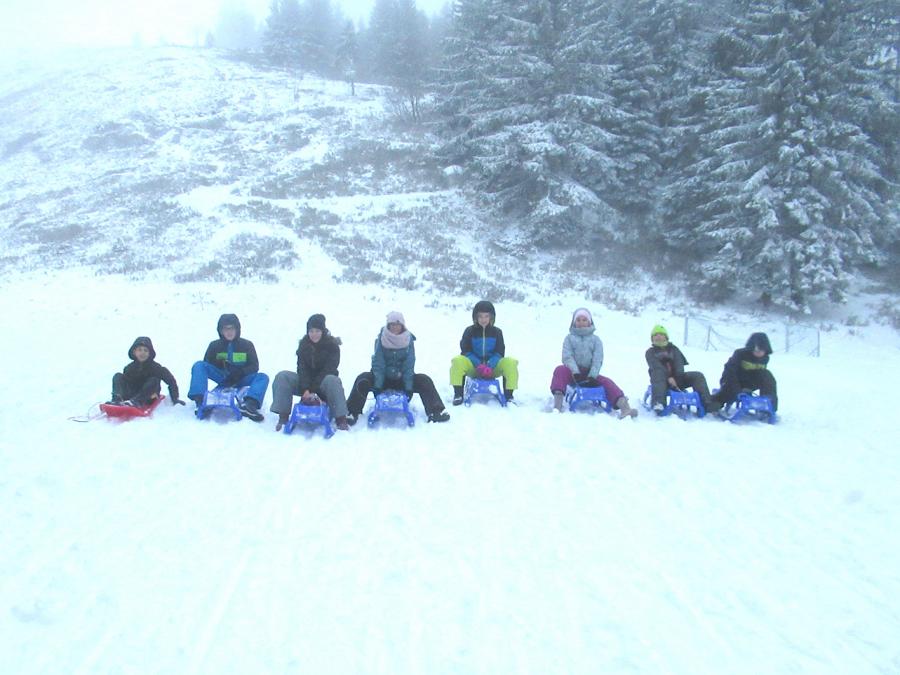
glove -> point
(579, 378)
(173, 396)
(177, 401)
(409, 395)
(484, 371)
(310, 399)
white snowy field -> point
(505, 541)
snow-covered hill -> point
(505, 541)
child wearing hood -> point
(139, 382)
(666, 370)
(393, 367)
(747, 369)
(231, 361)
(483, 354)
(316, 377)
(582, 357)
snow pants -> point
(203, 371)
(422, 385)
(562, 377)
(142, 395)
(659, 387)
(507, 368)
(732, 385)
(286, 385)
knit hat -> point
(316, 321)
(659, 329)
(583, 312)
(396, 317)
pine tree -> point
(281, 38)
(785, 197)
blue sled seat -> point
(222, 398)
(391, 401)
(477, 387)
(315, 415)
(682, 403)
(594, 396)
(751, 406)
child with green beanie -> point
(667, 372)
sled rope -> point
(93, 413)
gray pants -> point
(286, 385)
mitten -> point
(484, 370)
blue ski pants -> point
(202, 372)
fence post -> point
(685, 331)
(708, 332)
(787, 338)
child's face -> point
(581, 321)
(315, 334)
(659, 339)
(483, 319)
(395, 327)
(141, 353)
(228, 332)
(759, 353)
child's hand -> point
(177, 401)
(484, 371)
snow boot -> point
(625, 410)
(457, 395)
(250, 408)
(282, 420)
(558, 401)
(341, 423)
(440, 416)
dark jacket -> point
(394, 364)
(237, 358)
(315, 360)
(743, 360)
(135, 374)
(667, 361)
(483, 344)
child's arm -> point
(568, 356)
(378, 366)
(409, 367)
(596, 358)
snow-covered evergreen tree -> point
(785, 197)
(281, 39)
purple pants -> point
(562, 377)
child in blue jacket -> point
(483, 354)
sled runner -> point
(595, 397)
(682, 403)
(221, 398)
(750, 407)
(120, 411)
(477, 387)
(391, 401)
(315, 415)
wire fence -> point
(787, 338)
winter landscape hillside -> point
(148, 192)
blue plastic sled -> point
(682, 403)
(595, 397)
(312, 415)
(221, 398)
(391, 401)
(751, 407)
(478, 387)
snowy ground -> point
(506, 541)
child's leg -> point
(659, 388)
(460, 366)
(765, 382)
(201, 373)
(285, 386)
(118, 388)
(424, 387)
(332, 390)
(258, 383)
(697, 381)
(148, 391)
(508, 369)
(562, 378)
(359, 393)
(613, 393)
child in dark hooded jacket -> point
(139, 382)
(748, 369)
(231, 361)
(483, 354)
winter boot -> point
(558, 401)
(341, 423)
(508, 393)
(457, 395)
(439, 416)
(282, 420)
(352, 418)
(625, 410)
(197, 399)
(249, 408)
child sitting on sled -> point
(483, 354)
(231, 361)
(582, 358)
(748, 369)
(138, 384)
(666, 368)
(393, 367)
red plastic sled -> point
(127, 411)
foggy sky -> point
(44, 24)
